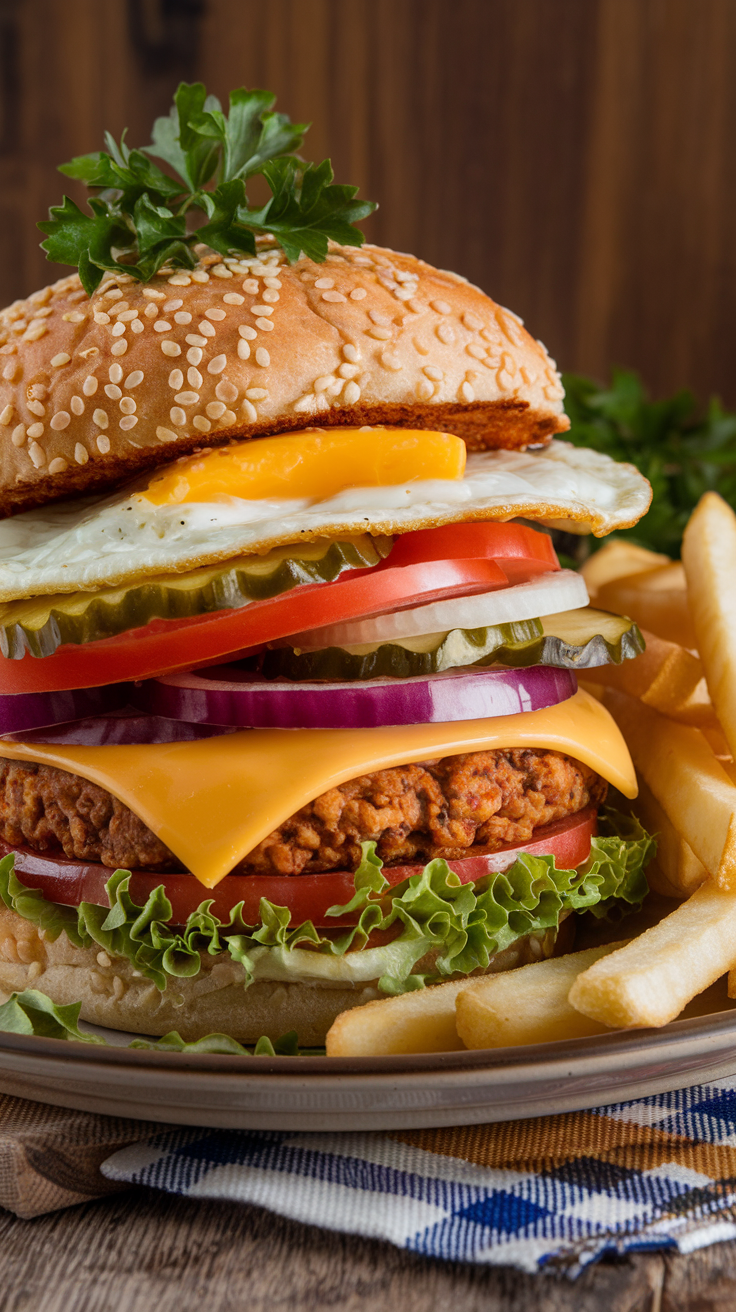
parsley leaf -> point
(142, 218)
(681, 450)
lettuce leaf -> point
(464, 923)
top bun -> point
(95, 389)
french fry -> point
(665, 676)
(651, 979)
(527, 1005)
(423, 1021)
(676, 871)
(656, 599)
(616, 560)
(692, 787)
(709, 557)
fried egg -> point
(89, 543)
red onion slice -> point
(128, 728)
(226, 696)
(34, 710)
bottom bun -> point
(115, 995)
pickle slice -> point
(41, 624)
(574, 639)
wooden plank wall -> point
(576, 158)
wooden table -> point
(143, 1251)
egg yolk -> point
(315, 465)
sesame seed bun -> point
(95, 389)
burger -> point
(288, 698)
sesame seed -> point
(119, 329)
(170, 306)
(62, 358)
(265, 325)
(425, 389)
(101, 317)
(472, 321)
(39, 392)
(215, 409)
(262, 358)
(441, 307)
(18, 435)
(467, 392)
(206, 329)
(151, 311)
(35, 430)
(177, 416)
(134, 379)
(81, 454)
(127, 422)
(306, 404)
(221, 271)
(231, 298)
(251, 287)
(226, 391)
(127, 316)
(90, 385)
(321, 402)
(119, 348)
(203, 425)
(351, 352)
(271, 282)
(376, 317)
(321, 384)
(391, 362)
(213, 312)
(179, 280)
(161, 326)
(228, 419)
(60, 420)
(351, 393)
(246, 331)
(381, 334)
(194, 378)
(200, 276)
(270, 296)
(358, 294)
(243, 349)
(348, 370)
(100, 418)
(249, 412)
(182, 316)
(217, 364)
(165, 434)
(415, 306)
(432, 372)
(478, 352)
(113, 391)
(152, 295)
(36, 408)
(113, 295)
(194, 355)
(37, 454)
(256, 394)
(58, 466)
(176, 379)
(187, 398)
(333, 296)
(445, 333)
(103, 443)
(128, 406)
(10, 371)
(262, 309)
(325, 282)
(194, 340)
(77, 405)
(137, 326)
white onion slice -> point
(546, 595)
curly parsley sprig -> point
(142, 218)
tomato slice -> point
(165, 646)
(521, 552)
(308, 897)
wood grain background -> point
(576, 158)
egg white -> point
(91, 543)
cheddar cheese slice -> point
(212, 801)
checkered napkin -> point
(556, 1192)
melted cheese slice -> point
(212, 801)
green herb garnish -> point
(142, 217)
(682, 451)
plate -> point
(386, 1093)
